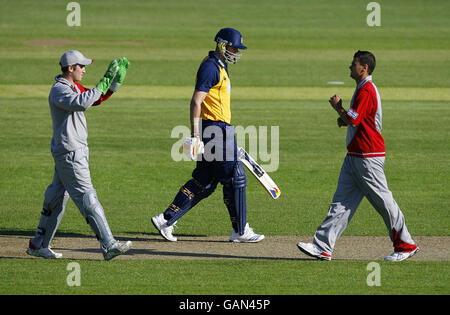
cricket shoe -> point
(45, 252)
(117, 249)
(165, 230)
(312, 250)
(248, 237)
(399, 256)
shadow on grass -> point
(146, 253)
(30, 233)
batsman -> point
(210, 117)
(68, 101)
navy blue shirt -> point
(208, 73)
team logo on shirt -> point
(352, 113)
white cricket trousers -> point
(362, 177)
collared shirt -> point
(365, 140)
(212, 78)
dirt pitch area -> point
(149, 246)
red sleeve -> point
(102, 97)
(80, 87)
(358, 111)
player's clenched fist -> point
(336, 102)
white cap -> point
(73, 57)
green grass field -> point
(295, 48)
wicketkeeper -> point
(68, 101)
(210, 117)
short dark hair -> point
(366, 58)
(64, 70)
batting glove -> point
(192, 147)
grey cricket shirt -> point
(67, 106)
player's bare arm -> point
(340, 122)
(336, 103)
(196, 107)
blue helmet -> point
(229, 37)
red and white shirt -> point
(365, 140)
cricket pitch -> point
(152, 246)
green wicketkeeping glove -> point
(120, 77)
(105, 82)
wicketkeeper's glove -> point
(120, 76)
(105, 82)
(192, 147)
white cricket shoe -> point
(248, 237)
(117, 249)
(312, 250)
(399, 256)
(45, 252)
(165, 230)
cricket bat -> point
(259, 173)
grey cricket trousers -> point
(361, 177)
(72, 178)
